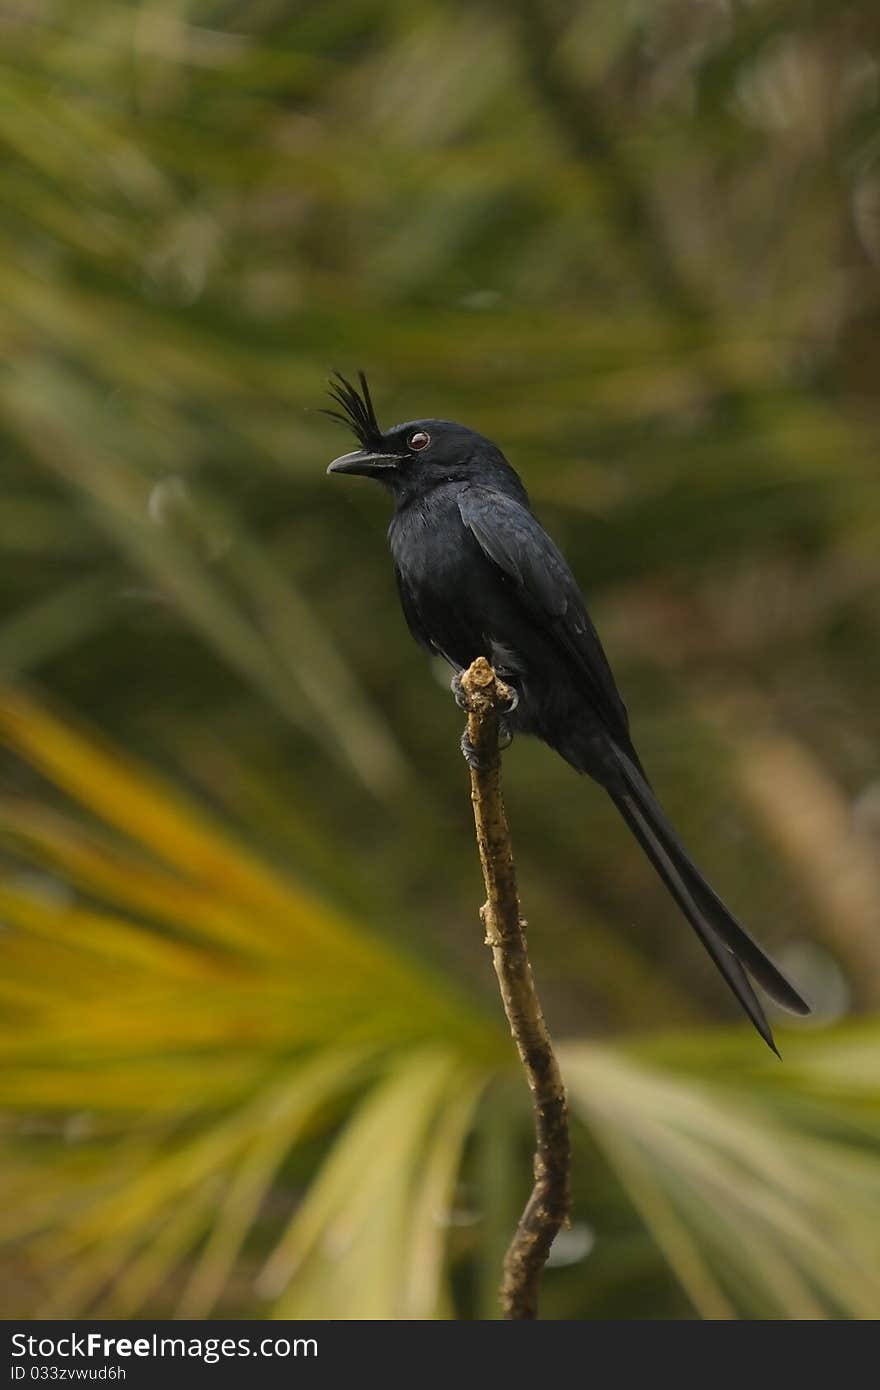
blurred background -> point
(253, 1058)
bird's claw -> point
(509, 700)
(457, 689)
(471, 756)
(507, 704)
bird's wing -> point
(517, 543)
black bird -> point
(479, 576)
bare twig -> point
(547, 1207)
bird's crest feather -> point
(357, 412)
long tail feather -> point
(726, 940)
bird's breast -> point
(429, 543)
(444, 575)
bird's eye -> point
(420, 440)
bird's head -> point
(412, 458)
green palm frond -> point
(231, 1076)
(208, 1016)
(758, 1192)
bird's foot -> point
(509, 700)
(471, 756)
(507, 704)
(457, 689)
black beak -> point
(364, 463)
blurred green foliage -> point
(259, 1069)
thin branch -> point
(548, 1205)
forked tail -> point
(726, 940)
